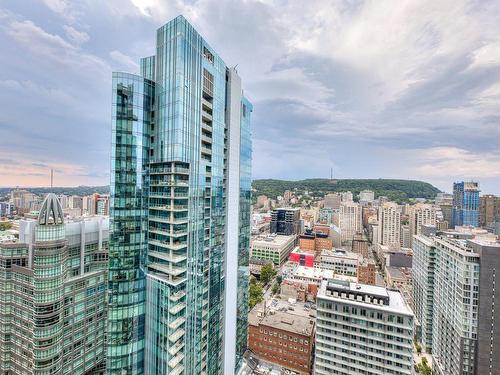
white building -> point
(362, 329)
(274, 247)
(420, 214)
(340, 261)
(389, 218)
(366, 196)
(350, 220)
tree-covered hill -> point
(397, 190)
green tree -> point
(5, 225)
(267, 272)
(256, 294)
(276, 288)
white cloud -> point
(77, 37)
(437, 162)
(124, 61)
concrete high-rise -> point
(350, 220)
(454, 301)
(489, 207)
(465, 204)
(420, 214)
(180, 212)
(389, 224)
(362, 329)
(53, 295)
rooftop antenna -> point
(331, 173)
(51, 178)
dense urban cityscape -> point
(186, 265)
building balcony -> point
(206, 116)
(175, 349)
(206, 127)
(177, 308)
(176, 360)
(183, 220)
(177, 323)
(168, 269)
(168, 257)
(176, 335)
(177, 296)
(178, 370)
(205, 150)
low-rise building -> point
(342, 262)
(367, 272)
(274, 247)
(283, 333)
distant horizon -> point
(269, 178)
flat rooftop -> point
(371, 296)
(274, 239)
(294, 317)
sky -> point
(373, 89)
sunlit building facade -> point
(180, 212)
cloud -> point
(375, 89)
(77, 37)
(124, 61)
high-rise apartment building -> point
(180, 212)
(465, 204)
(285, 221)
(454, 301)
(489, 207)
(53, 295)
(420, 214)
(362, 329)
(350, 220)
(389, 224)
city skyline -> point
(406, 95)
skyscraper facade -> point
(53, 295)
(465, 204)
(180, 212)
(455, 299)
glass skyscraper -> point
(180, 212)
(465, 204)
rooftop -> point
(370, 296)
(274, 239)
(291, 316)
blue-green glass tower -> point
(180, 208)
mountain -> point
(397, 190)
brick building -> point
(284, 337)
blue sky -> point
(374, 89)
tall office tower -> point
(75, 201)
(285, 221)
(489, 207)
(53, 295)
(455, 299)
(421, 214)
(180, 212)
(332, 200)
(366, 196)
(465, 204)
(389, 227)
(350, 220)
(362, 329)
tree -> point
(279, 279)
(276, 288)
(267, 272)
(5, 225)
(418, 348)
(256, 294)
